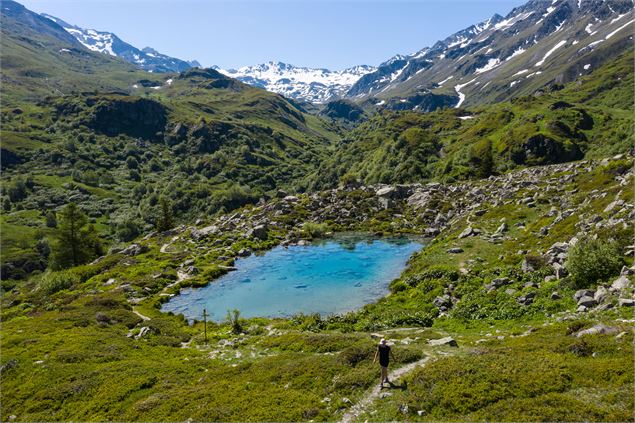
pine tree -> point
(165, 221)
(75, 242)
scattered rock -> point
(597, 329)
(526, 299)
(198, 234)
(145, 330)
(244, 252)
(134, 250)
(469, 231)
(497, 283)
(600, 294)
(455, 250)
(626, 302)
(448, 340)
(501, 229)
(620, 283)
(583, 293)
(587, 302)
(258, 231)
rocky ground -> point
(492, 279)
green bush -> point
(233, 318)
(53, 282)
(591, 261)
(314, 230)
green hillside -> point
(592, 117)
(120, 188)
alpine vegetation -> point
(444, 236)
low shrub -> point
(53, 282)
(355, 354)
(591, 261)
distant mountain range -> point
(300, 83)
(538, 44)
(106, 42)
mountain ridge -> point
(315, 85)
(499, 50)
(106, 42)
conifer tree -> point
(165, 221)
(75, 241)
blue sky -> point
(315, 33)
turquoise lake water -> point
(332, 276)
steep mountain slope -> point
(300, 83)
(87, 127)
(535, 45)
(108, 43)
(40, 58)
(590, 117)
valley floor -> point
(531, 346)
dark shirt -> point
(384, 355)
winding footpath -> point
(373, 394)
(144, 318)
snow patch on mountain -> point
(619, 29)
(550, 52)
(108, 43)
(491, 64)
(508, 23)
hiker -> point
(384, 353)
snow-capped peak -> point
(108, 43)
(315, 85)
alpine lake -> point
(328, 276)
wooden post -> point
(205, 324)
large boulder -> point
(258, 231)
(469, 231)
(600, 294)
(583, 293)
(497, 283)
(620, 283)
(134, 250)
(448, 340)
(394, 192)
(597, 329)
(587, 301)
(204, 232)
